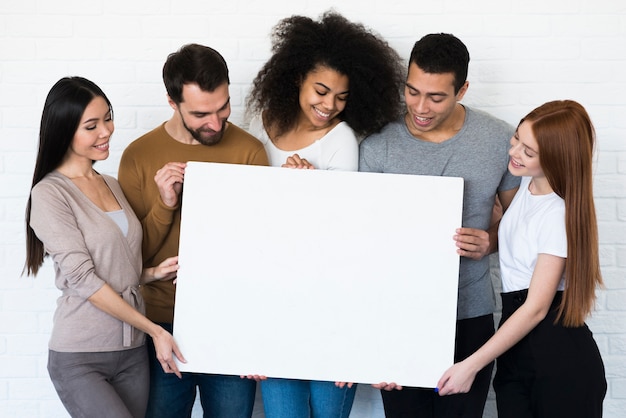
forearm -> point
(518, 326)
(493, 237)
(156, 225)
(543, 285)
(155, 217)
(502, 202)
(111, 303)
(147, 275)
(166, 270)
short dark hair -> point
(439, 53)
(194, 64)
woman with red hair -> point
(548, 363)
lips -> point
(321, 114)
(422, 121)
(515, 164)
(102, 147)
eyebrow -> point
(435, 93)
(523, 143)
(329, 89)
(530, 148)
(199, 112)
(96, 118)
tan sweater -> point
(161, 224)
(88, 249)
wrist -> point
(170, 203)
(156, 331)
(148, 275)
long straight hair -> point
(64, 107)
(566, 140)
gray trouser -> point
(112, 384)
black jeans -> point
(552, 372)
(471, 334)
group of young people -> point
(330, 97)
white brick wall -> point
(523, 54)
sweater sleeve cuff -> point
(163, 213)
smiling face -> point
(323, 96)
(431, 103)
(204, 114)
(524, 153)
(91, 139)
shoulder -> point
(343, 131)
(486, 131)
(550, 223)
(257, 129)
(389, 132)
(488, 121)
(555, 204)
(52, 193)
(51, 184)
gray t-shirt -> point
(479, 154)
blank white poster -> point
(321, 275)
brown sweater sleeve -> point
(136, 177)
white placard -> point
(322, 275)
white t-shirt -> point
(532, 225)
(337, 150)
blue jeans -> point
(287, 398)
(221, 396)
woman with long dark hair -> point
(82, 221)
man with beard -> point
(151, 174)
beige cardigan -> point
(88, 249)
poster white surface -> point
(313, 274)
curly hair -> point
(299, 44)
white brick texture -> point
(523, 54)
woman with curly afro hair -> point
(328, 83)
(323, 73)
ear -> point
(171, 103)
(462, 91)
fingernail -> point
(436, 390)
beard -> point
(206, 136)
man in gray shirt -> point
(438, 136)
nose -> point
(107, 129)
(329, 102)
(214, 122)
(514, 148)
(420, 104)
